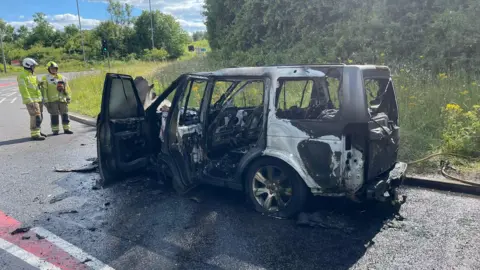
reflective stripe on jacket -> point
(50, 85)
(28, 86)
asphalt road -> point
(140, 224)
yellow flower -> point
(350, 61)
(382, 54)
(474, 83)
(464, 92)
(195, 88)
(442, 76)
(421, 56)
(453, 107)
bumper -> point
(384, 187)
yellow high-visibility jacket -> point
(28, 86)
(50, 88)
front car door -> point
(121, 130)
(185, 132)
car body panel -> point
(338, 154)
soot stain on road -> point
(215, 232)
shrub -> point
(461, 133)
(155, 55)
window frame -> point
(139, 108)
(187, 94)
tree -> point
(43, 33)
(169, 35)
(199, 35)
(120, 14)
(21, 35)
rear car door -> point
(122, 146)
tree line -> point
(127, 37)
(435, 34)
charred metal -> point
(329, 129)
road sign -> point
(15, 63)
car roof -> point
(284, 70)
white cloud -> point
(59, 21)
(187, 12)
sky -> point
(64, 12)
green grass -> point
(190, 55)
(87, 90)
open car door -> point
(185, 132)
(122, 145)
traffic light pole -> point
(81, 33)
(108, 58)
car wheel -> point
(275, 188)
(107, 175)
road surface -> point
(140, 224)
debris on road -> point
(20, 230)
(325, 220)
(92, 229)
(68, 212)
(85, 169)
(106, 204)
(58, 198)
(25, 237)
(86, 260)
(369, 244)
(39, 237)
(196, 199)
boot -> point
(55, 133)
(67, 131)
(38, 138)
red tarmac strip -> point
(7, 84)
(38, 247)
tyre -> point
(275, 188)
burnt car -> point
(276, 133)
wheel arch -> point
(250, 159)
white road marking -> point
(76, 252)
(11, 94)
(26, 256)
(2, 100)
(8, 89)
(13, 100)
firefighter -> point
(57, 98)
(32, 97)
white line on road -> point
(13, 100)
(76, 252)
(2, 100)
(8, 89)
(26, 256)
(11, 94)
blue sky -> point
(92, 12)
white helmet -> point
(29, 63)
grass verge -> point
(87, 90)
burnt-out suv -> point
(277, 133)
